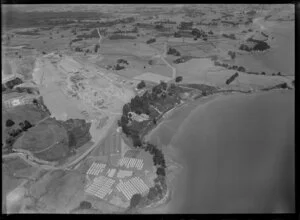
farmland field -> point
(90, 84)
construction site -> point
(69, 71)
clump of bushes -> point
(173, 51)
(141, 85)
(150, 41)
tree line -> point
(139, 105)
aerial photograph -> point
(148, 108)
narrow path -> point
(47, 148)
(99, 36)
(162, 56)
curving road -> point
(30, 159)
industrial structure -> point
(131, 163)
(133, 186)
(101, 186)
(96, 168)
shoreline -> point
(162, 204)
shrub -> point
(141, 85)
(119, 67)
(178, 79)
(85, 205)
(241, 69)
(152, 40)
(97, 46)
(9, 123)
(135, 200)
(173, 51)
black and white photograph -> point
(148, 108)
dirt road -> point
(99, 36)
(162, 57)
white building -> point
(111, 172)
(124, 173)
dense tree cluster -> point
(14, 133)
(158, 157)
(75, 40)
(9, 123)
(177, 34)
(135, 200)
(212, 23)
(122, 61)
(145, 25)
(78, 49)
(25, 125)
(120, 36)
(141, 84)
(158, 190)
(259, 45)
(159, 27)
(78, 132)
(185, 25)
(143, 104)
(3, 88)
(85, 205)
(198, 33)
(251, 12)
(178, 79)
(230, 23)
(263, 34)
(119, 67)
(173, 51)
(31, 32)
(279, 86)
(245, 47)
(39, 104)
(205, 89)
(228, 81)
(73, 31)
(230, 36)
(12, 83)
(150, 41)
(234, 67)
(231, 54)
(182, 59)
(276, 74)
(93, 34)
(97, 46)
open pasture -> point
(42, 137)
(126, 47)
